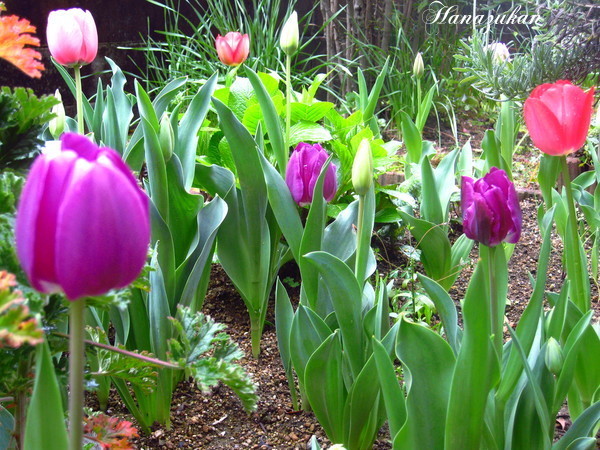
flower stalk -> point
(76, 368)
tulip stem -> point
(76, 367)
(288, 108)
(496, 309)
(79, 100)
(579, 292)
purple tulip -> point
(303, 170)
(83, 223)
(490, 209)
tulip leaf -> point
(392, 392)
(187, 136)
(428, 364)
(445, 309)
(346, 296)
(436, 253)
(431, 206)
(198, 262)
(45, 424)
(583, 426)
(157, 171)
(312, 238)
(325, 387)
(339, 237)
(134, 154)
(307, 333)
(412, 140)
(576, 265)
(362, 412)
(272, 120)
(476, 371)
(528, 324)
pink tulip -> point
(233, 48)
(558, 117)
(82, 223)
(72, 37)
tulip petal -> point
(80, 145)
(101, 239)
(544, 128)
(64, 37)
(36, 218)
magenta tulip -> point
(82, 223)
(490, 208)
(558, 117)
(72, 37)
(303, 170)
(233, 48)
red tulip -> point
(83, 223)
(233, 48)
(558, 117)
(72, 37)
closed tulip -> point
(490, 209)
(83, 223)
(558, 117)
(303, 170)
(72, 37)
(233, 48)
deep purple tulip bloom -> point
(303, 170)
(490, 209)
(82, 223)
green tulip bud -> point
(166, 137)
(362, 168)
(554, 356)
(290, 35)
(57, 124)
(418, 66)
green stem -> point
(496, 309)
(577, 287)
(79, 100)
(360, 265)
(255, 335)
(288, 106)
(76, 367)
(418, 96)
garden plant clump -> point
(216, 257)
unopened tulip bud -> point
(166, 137)
(418, 66)
(500, 53)
(290, 35)
(554, 356)
(57, 124)
(362, 168)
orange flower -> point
(14, 36)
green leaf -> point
(187, 135)
(325, 387)
(476, 371)
(583, 426)
(45, 424)
(308, 132)
(431, 206)
(7, 426)
(445, 309)
(428, 366)
(272, 120)
(412, 140)
(314, 112)
(346, 296)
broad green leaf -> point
(412, 140)
(431, 206)
(45, 424)
(445, 309)
(272, 121)
(314, 112)
(583, 426)
(308, 132)
(325, 387)
(346, 296)
(428, 364)
(476, 371)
